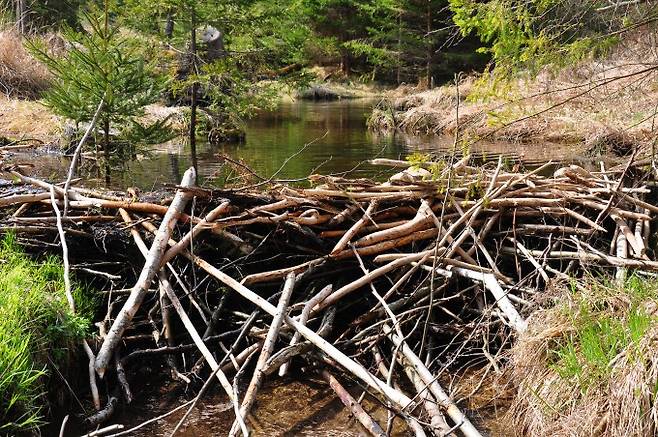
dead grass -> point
(27, 119)
(20, 74)
(589, 365)
(573, 105)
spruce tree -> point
(99, 65)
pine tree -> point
(100, 65)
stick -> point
(76, 154)
(441, 396)
(436, 417)
(266, 352)
(223, 380)
(354, 406)
(351, 232)
(365, 279)
(303, 318)
(491, 283)
(151, 266)
(187, 239)
(69, 297)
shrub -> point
(21, 75)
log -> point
(353, 405)
(151, 267)
(303, 318)
(460, 420)
(266, 352)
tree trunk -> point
(20, 16)
(169, 26)
(399, 60)
(428, 29)
(106, 148)
(195, 86)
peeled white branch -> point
(151, 267)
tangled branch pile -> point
(435, 270)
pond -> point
(295, 140)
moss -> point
(36, 327)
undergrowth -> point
(588, 365)
(36, 328)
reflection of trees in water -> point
(175, 166)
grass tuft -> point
(36, 326)
(589, 364)
(20, 74)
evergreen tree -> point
(100, 65)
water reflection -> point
(323, 137)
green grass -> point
(36, 326)
(604, 323)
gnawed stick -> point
(491, 283)
(420, 222)
(151, 267)
(187, 239)
(437, 420)
(366, 279)
(412, 422)
(351, 232)
(303, 318)
(223, 380)
(18, 199)
(437, 391)
(636, 245)
(353, 405)
(69, 297)
(266, 352)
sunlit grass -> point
(602, 329)
(35, 325)
(589, 362)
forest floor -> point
(609, 102)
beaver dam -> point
(399, 288)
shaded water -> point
(283, 408)
(296, 140)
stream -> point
(295, 140)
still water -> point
(292, 142)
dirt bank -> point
(610, 101)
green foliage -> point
(35, 325)
(261, 40)
(395, 40)
(528, 35)
(101, 64)
(418, 159)
(601, 331)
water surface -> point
(293, 141)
